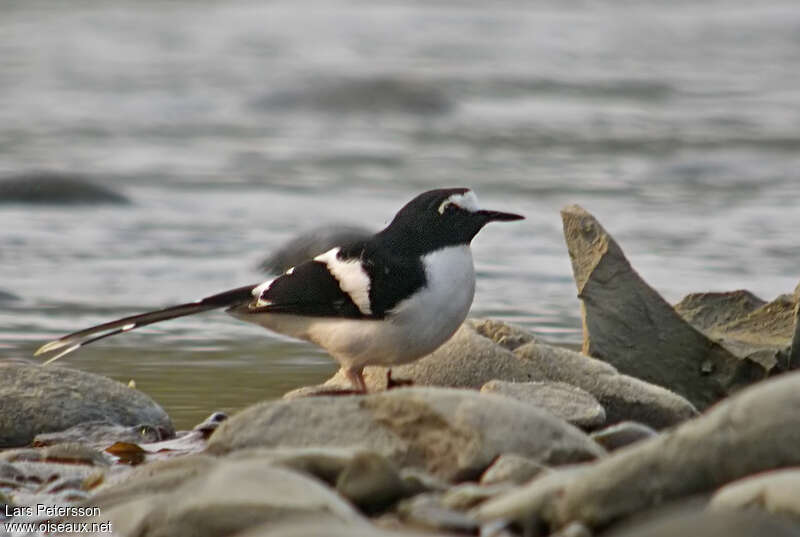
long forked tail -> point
(74, 341)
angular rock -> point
(794, 348)
(622, 434)
(623, 397)
(310, 244)
(776, 492)
(453, 434)
(745, 325)
(511, 468)
(753, 431)
(48, 399)
(708, 311)
(568, 402)
(228, 497)
(56, 188)
(629, 325)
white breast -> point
(431, 316)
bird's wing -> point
(323, 287)
(356, 282)
(74, 341)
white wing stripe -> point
(351, 276)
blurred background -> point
(232, 126)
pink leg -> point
(354, 375)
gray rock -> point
(692, 522)
(6, 296)
(227, 497)
(102, 434)
(629, 325)
(467, 360)
(453, 434)
(707, 311)
(623, 397)
(511, 468)
(326, 526)
(573, 529)
(776, 492)
(427, 511)
(745, 325)
(568, 402)
(622, 434)
(56, 188)
(40, 400)
(310, 244)
(531, 504)
(753, 431)
(794, 348)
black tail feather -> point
(74, 341)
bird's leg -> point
(394, 383)
(354, 374)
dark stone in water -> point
(56, 188)
(370, 95)
(38, 400)
(5, 296)
(311, 243)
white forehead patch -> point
(467, 201)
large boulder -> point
(485, 350)
(753, 431)
(453, 434)
(629, 325)
(37, 399)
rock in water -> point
(38, 399)
(56, 189)
(453, 434)
(628, 324)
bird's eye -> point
(445, 205)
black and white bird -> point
(385, 300)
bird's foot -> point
(392, 383)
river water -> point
(233, 126)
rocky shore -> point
(673, 420)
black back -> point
(391, 259)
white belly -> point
(415, 327)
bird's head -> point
(439, 218)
